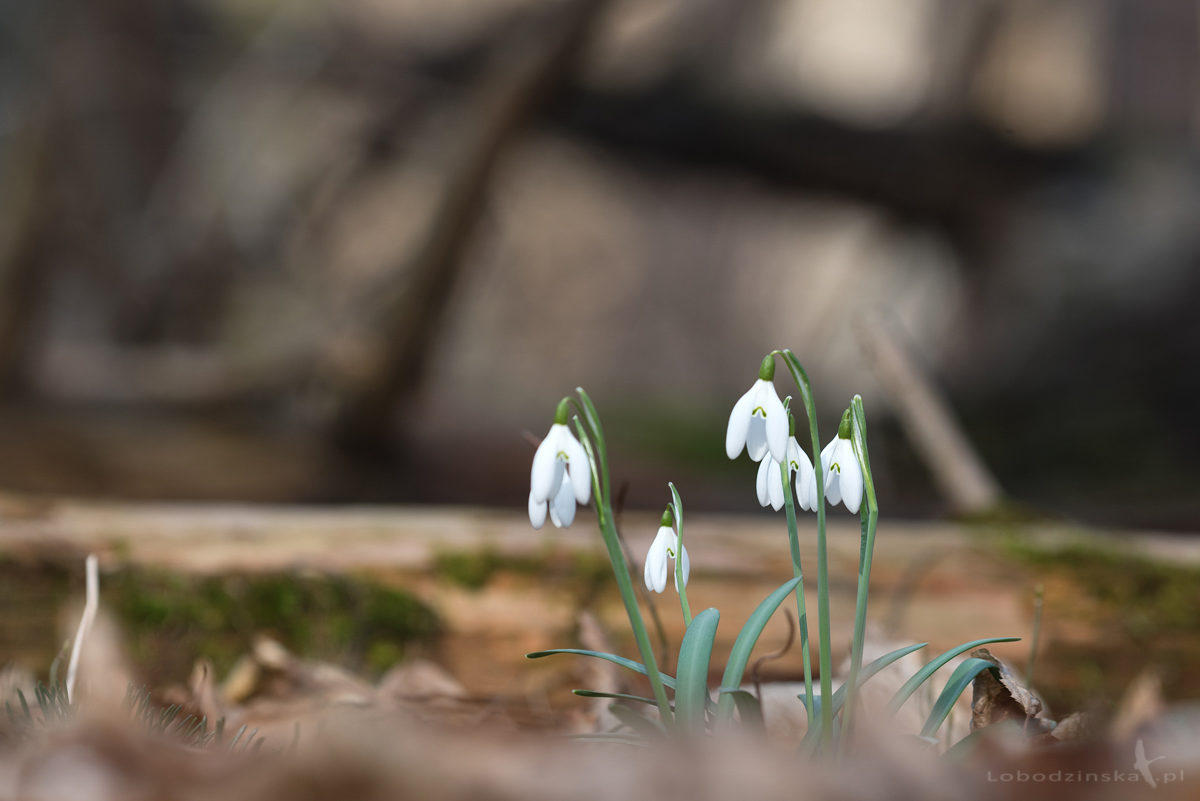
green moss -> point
(168, 619)
(1156, 598)
(1145, 607)
(474, 569)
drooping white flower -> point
(560, 476)
(843, 475)
(758, 421)
(806, 485)
(770, 482)
(662, 550)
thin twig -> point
(91, 603)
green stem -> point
(598, 459)
(801, 610)
(870, 516)
(677, 515)
(625, 585)
(823, 634)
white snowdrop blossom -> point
(560, 476)
(770, 482)
(843, 475)
(758, 422)
(662, 549)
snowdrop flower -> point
(560, 475)
(662, 550)
(843, 475)
(770, 482)
(758, 421)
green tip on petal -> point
(844, 426)
(667, 518)
(766, 370)
(563, 412)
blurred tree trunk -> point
(528, 70)
(24, 229)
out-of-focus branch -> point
(526, 73)
(927, 419)
(23, 231)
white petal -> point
(812, 492)
(562, 508)
(851, 482)
(775, 484)
(687, 567)
(777, 422)
(794, 454)
(656, 559)
(804, 481)
(833, 489)
(542, 476)
(760, 483)
(827, 453)
(756, 438)
(579, 468)
(739, 421)
(537, 511)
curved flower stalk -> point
(667, 546)
(567, 470)
(843, 474)
(758, 421)
(560, 475)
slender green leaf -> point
(691, 694)
(869, 670)
(747, 638)
(608, 737)
(642, 699)
(748, 707)
(962, 676)
(589, 411)
(922, 675)
(637, 721)
(677, 505)
(637, 667)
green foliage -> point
(747, 638)
(637, 667)
(691, 693)
(960, 679)
(923, 675)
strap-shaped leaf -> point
(922, 675)
(637, 667)
(637, 721)
(747, 638)
(748, 707)
(962, 676)
(869, 670)
(616, 696)
(691, 691)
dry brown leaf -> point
(1005, 698)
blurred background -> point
(356, 251)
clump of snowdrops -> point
(570, 468)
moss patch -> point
(474, 569)
(169, 620)
(1144, 609)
